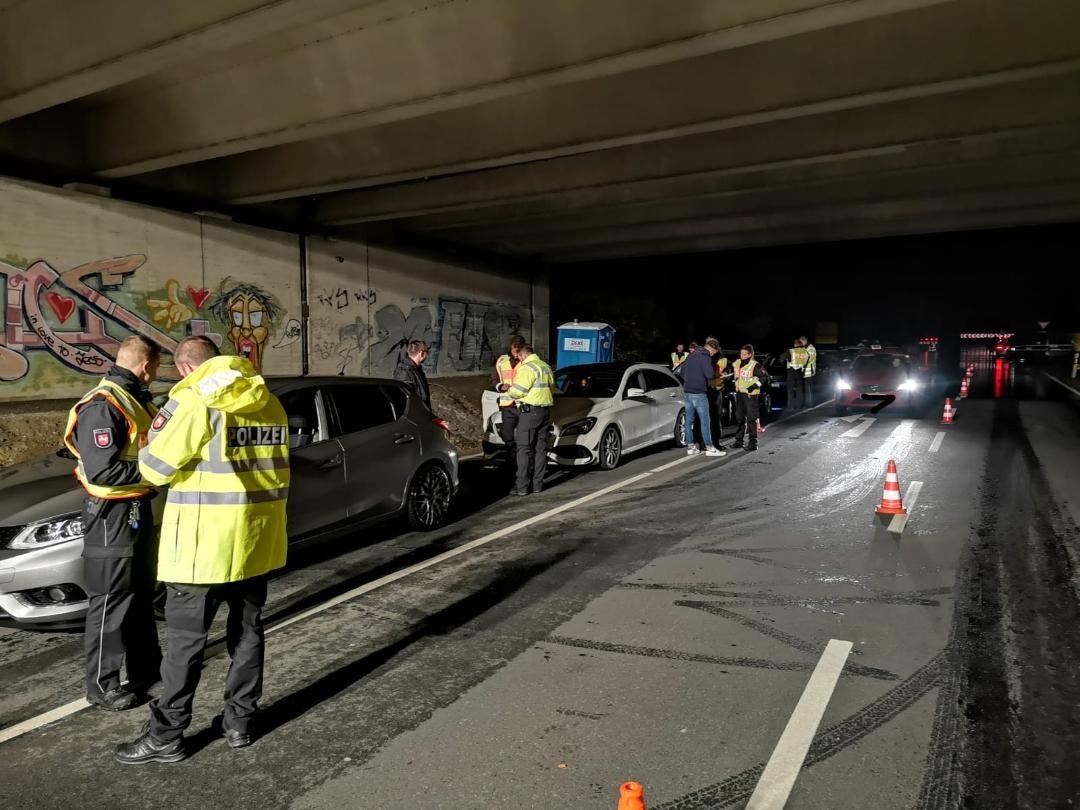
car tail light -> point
(441, 423)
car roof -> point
(592, 368)
(281, 385)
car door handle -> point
(403, 438)
(673, 395)
(331, 463)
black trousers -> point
(715, 415)
(796, 389)
(808, 392)
(507, 431)
(746, 416)
(532, 440)
(189, 612)
(119, 570)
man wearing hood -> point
(221, 446)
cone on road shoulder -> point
(632, 796)
(950, 412)
(891, 502)
(964, 388)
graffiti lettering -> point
(340, 297)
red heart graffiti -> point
(198, 297)
(63, 306)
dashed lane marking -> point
(855, 417)
(859, 429)
(911, 497)
(935, 445)
(778, 778)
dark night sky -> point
(895, 289)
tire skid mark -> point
(826, 744)
(704, 589)
(783, 637)
(700, 658)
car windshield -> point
(878, 362)
(601, 384)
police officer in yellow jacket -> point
(750, 379)
(533, 391)
(221, 444)
(502, 377)
(104, 432)
(797, 359)
(809, 371)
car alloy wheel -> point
(429, 498)
(680, 429)
(610, 448)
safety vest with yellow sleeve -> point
(505, 368)
(811, 361)
(534, 384)
(798, 358)
(717, 381)
(678, 359)
(745, 380)
(221, 444)
(138, 424)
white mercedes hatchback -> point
(602, 411)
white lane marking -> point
(674, 463)
(59, 713)
(855, 417)
(1064, 385)
(68, 709)
(787, 759)
(911, 497)
(52, 716)
(859, 429)
(454, 552)
(935, 445)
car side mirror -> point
(635, 393)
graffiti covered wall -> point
(366, 304)
(79, 274)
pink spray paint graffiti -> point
(88, 349)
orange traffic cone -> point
(632, 796)
(760, 429)
(964, 388)
(950, 412)
(891, 502)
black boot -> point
(119, 699)
(148, 749)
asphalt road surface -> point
(661, 623)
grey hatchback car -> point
(363, 451)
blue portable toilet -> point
(581, 343)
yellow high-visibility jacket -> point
(221, 444)
(534, 384)
(505, 368)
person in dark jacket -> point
(410, 370)
(697, 373)
(104, 432)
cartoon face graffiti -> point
(247, 313)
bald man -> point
(105, 430)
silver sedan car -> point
(363, 451)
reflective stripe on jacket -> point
(798, 358)
(811, 361)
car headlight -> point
(843, 385)
(579, 428)
(49, 533)
(909, 385)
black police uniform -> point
(747, 411)
(119, 552)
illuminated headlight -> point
(579, 428)
(51, 533)
(910, 385)
(843, 385)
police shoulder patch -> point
(162, 417)
(103, 437)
